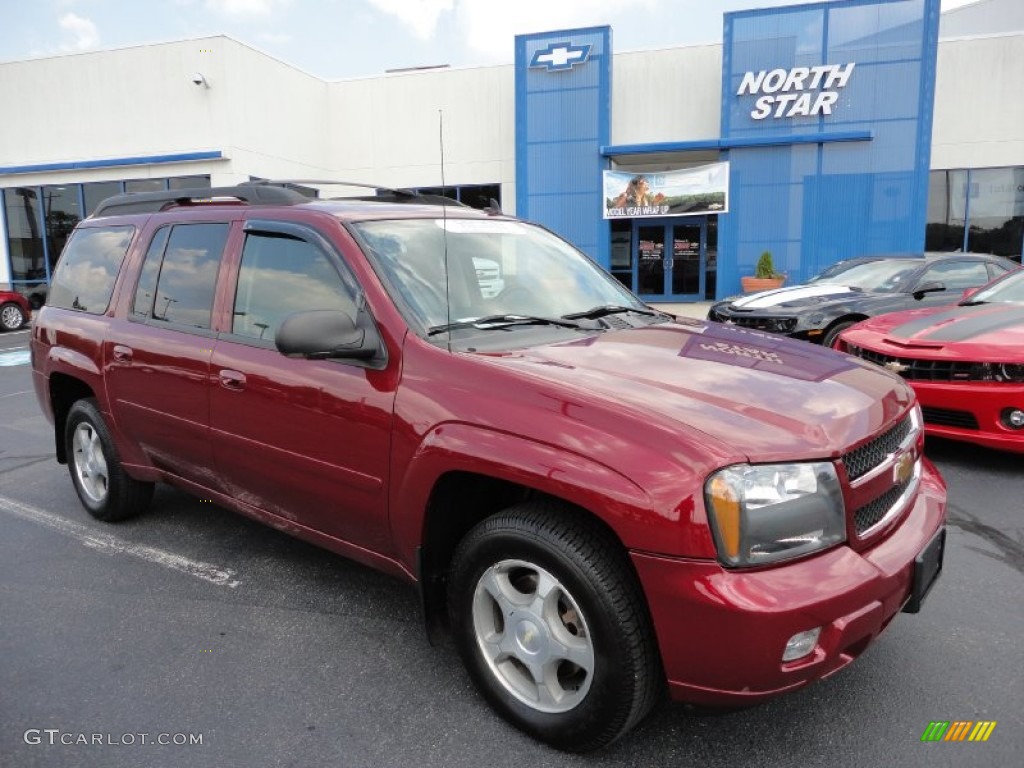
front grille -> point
(927, 370)
(862, 460)
(768, 324)
(871, 513)
(949, 418)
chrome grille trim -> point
(870, 460)
(897, 507)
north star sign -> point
(796, 92)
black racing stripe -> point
(962, 323)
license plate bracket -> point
(927, 567)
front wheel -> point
(103, 487)
(552, 626)
(12, 317)
(833, 333)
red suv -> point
(600, 502)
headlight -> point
(765, 513)
(1012, 372)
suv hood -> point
(764, 397)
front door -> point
(669, 259)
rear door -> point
(158, 357)
(305, 440)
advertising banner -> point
(687, 192)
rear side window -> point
(281, 275)
(84, 279)
(179, 275)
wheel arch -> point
(65, 391)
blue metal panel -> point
(562, 121)
(75, 165)
(813, 202)
(783, 140)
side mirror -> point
(324, 333)
(929, 287)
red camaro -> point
(965, 361)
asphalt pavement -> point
(191, 622)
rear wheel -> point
(12, 317)
(552, 626)
(103, 487)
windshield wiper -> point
(972, 303)
(492, 322)
(603, 310)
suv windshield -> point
(495, 269)
(888, 276)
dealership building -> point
(817, 132)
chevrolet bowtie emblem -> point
(896, 366)
(559, 56)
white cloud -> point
(420, 15)
(243, 8)
(489, 26)
(84, 31)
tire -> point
(12, 317)
(833, 332)
(579, 668)
(103, 487)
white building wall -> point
(386, 130)
(673, 94)
(979, 111)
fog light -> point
(1015, 418)
(801, 644)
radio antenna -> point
(444, 221)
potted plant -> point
(765, 277)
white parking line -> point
(12, 394)
(111, 545)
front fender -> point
(641, 521)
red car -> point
(600, 502)
(966, 362)
(14, 310)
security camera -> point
(199, 79)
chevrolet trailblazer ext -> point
(600, 502)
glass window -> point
(711, 258)
(947, 197)
(956, 275)
(24, 237)
(188, 182)
(282, 275)
(85, 276)
(99, 191)
(145, 185)
(62, 213)
(996, 212)
(622, 251)
(142, 303)
(188, 275)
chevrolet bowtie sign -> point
(560, 56)
(796, 92)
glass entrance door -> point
(669, 258)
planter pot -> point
(755, 284)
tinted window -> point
(86, 273)
(99, 191)
(281, 275)
(956, 275)
(188, 276)
(142, 304)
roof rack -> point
(152, 202)
(262, 192)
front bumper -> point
(766, 322)
(722, 632)
(972, 412)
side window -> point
(280, 275)
(188, 274)
(142, 304)
(957, 275)
(84, 278)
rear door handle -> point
(122, 354)
(234, 380)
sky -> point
(336, 39)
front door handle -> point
(122, 354)
(233, 380)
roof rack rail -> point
(152, 202)
(383, 194)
